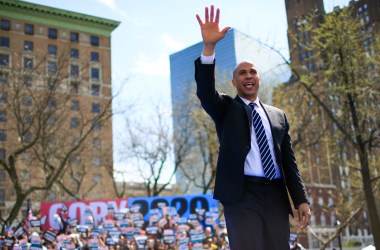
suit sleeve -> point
(211, 101)
(293, 179)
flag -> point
(28, 216)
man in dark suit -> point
(256, 165)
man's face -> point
(246, 80)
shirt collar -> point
(257, 101)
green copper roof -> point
(36, 13)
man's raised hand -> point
(211, 33)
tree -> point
(42, 140)
(339, 78)
(150, 149)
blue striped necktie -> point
(262, 142)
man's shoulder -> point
(272, 108)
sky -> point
(151, 30)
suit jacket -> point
(232, 120)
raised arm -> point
(211, 33)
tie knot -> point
(252, 105)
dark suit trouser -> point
(260, 220)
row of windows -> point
(52, 67)
(28, 101)
(52, 32)
(52, 49)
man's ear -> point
(233, 82)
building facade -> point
(56, 92)
(327, 174)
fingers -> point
(206, 15)
(304, 215)
(210, 16)
(217, 15)
(199, 20)
(212, 13)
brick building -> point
(326, 175)
(55, 91)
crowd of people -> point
(164, 229)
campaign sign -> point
(19, 231)
(184, 205)
(196, 236)
(110, 241)
(94, 244)
(139, 223)
(79, 210)
(73, 222)
(115, 234)
(35, 223)
(141, 241)
(184, 243)
(17, 247)
(123, 223)
(49, 236)
(119, 216)
(8, 241)
(82, 228)
(169, 239)
(151, 230)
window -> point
(52, 102)
(52, 67)
(75, 140)
(74, 105)
(29, 29)
(5, 24)
(74, 87)
(28, 46)
(3, 97)
(97, 178)
(3, 115)
(74, 122)
(52, 33)
(94, 41)
(96, 108)
(3, 135)
(94, 73)
(96, 126)
(2, 195)
(74, 70)
(4, 60)
(2, 175)
(74, 53)
(94, 57)
(25, 174)
(28, 81)
(27, 120)
(4, 42)
(52, 50)
(2, 154)
(95, 89)
(27, 100)
(28, 63)
(3, 78)
(74, 37)
(96, 161)
(97, 142)
(52, 120)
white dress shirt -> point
(253, 165)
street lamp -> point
(339, 238)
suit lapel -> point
(248, 111)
